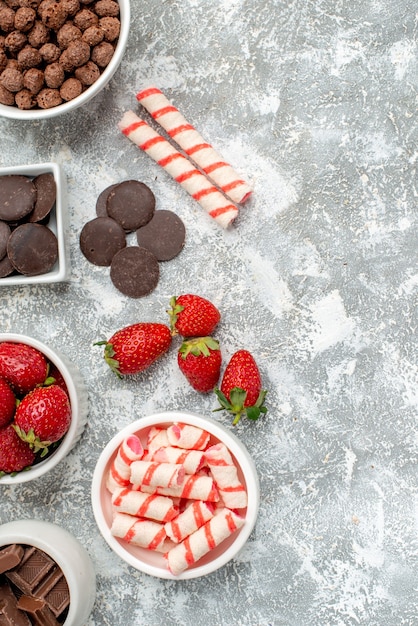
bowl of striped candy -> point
(175, 495)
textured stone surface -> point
(316, 104)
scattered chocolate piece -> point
(10, 557)
(134, 271)
(17, 197)
(34, 565)
(38, 610)
(46, 195)
(132, 204)
(164, 235)
(101, 204)
(4, 236)
(32, 249)
(10, 615)
(101, 239)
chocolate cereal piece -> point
(134, 271)
(164, 235)
(5, 232)
(46, 194)
(48, 98)
(32, 249)
(17, 197)
(132, 204)
(101, 239)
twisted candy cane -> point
(194, 516)
(187, 436)
(151, 506)
(193, 144)
(206, 538)
(179, 168)
(139, 532)
(150, 474)
(225, 474)
(120, 470)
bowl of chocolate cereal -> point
(55, 55)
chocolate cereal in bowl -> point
(58, 54)
(43, 408)
(175, 495)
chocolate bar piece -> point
(33, 567)
(54, 590)
(38, 611)
(10, 556)
(10, 615)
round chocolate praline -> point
(134, 271)
(17, 197)
(132, 204)
(100, 239)
(164, 235)
(32, 249)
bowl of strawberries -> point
(43, 408)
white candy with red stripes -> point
(193, 517)
(187, 436)
(120, 470)
(225, 475)
(140, 504)
(139, 532)
(193, 144)
(154, 474)
(203, 540)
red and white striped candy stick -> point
(151, 506)
(179, 168)
(139, 532)
(120, 470)
(225, 474)
(195, 487)
(203, 540)
(193, 144)
(153, 474)
(192, 460)
(187, 436)
(194, 516)
(157, 438)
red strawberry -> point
(43, 417)
(7, 403)
(15, 454)
(57, 378)
(241, 392)
(134, 348)
(192, 316)
(200, 361)
(23, 366)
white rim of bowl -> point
(235, 446)
(13, 112)
(66, 444)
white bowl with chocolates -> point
(46, 575)
(33, 225)
(175, 495)
(58, 55)
(43, 408)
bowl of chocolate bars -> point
(46, 575)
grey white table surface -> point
(316, 104)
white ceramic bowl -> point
(152, 562)
(37, 114)
(58, 223)
(67, 552)
(79, 405)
